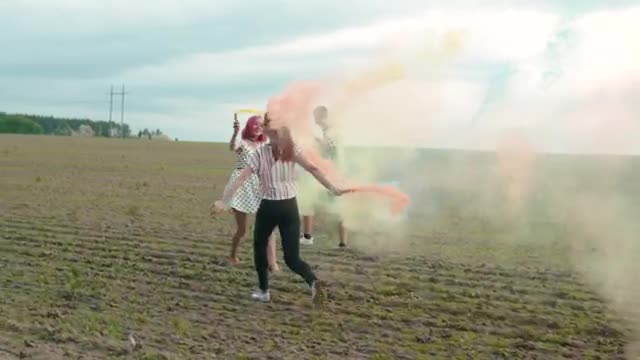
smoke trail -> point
(496, 90)
(575, 92)
(350, 102)
(560, 46)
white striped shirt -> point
(277, 178)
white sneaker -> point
(260, 295)
(305, 241)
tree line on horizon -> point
(50, 125)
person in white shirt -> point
(274, 164)
(310, 196)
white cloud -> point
(214, 67)
(608, 54)
(438, 113)
(81, 18)
(503, 36)
(592, 106)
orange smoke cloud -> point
(516, 159)
(293, 108)
(398, 200)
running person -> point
(328, 151)
(247, 199)
(274, 164)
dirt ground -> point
(103, 240)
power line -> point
(122, 113)
(122, 93)
(110, 108)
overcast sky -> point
(188, 64)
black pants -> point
(283, 214)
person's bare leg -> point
(342, 234)
(271, 254)
(307, 224)
(307, 230)
(241, 228)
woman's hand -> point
(236, 129)
(338, 191)
(218, 207)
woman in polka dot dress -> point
(247, 199)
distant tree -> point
(63, 129)
(126, 130)
(68, 126)
(103, 128)
(84, 130)
(49, 124)
(16, 124)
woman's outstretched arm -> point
(236, 129)
(319, 175)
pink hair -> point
(247, 130)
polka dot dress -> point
(247, 198)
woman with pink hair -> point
(247, 199)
